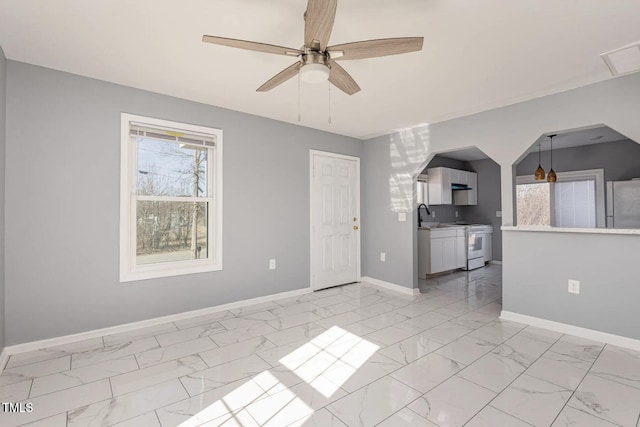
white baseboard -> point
(495, 261)
(390, 286)
(96, 333)
(564, 328)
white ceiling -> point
(477, 55)
(577, 138)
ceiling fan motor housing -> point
(311, 56)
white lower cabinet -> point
(441, 249)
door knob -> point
(355, 227)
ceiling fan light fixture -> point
(314, 73)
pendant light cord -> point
(329, 83)
(538, 154)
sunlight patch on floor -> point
(327, 361)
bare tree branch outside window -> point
(533, 204)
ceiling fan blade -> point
(281, 77)
(319, 22)
(375, 48)
(258, 47)
(342, 80)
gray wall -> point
(620, 160)
(62, 216)
(488, 201)
(605, 265)
(384, 195)
(3, 76)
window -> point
(422, 190)
(576, 200)
(171, 199)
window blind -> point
(173, 135)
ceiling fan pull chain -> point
(329, 86)
(299, 115)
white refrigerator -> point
(623, 204)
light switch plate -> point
(272, 264)
(402, 216)
(383, 256)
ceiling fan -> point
(318, 62)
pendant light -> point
(539, 175)
(551, 176)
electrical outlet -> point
(498, 214)
(574, 286)
(402, 216)
(272, 264)
(383, 256)
(433, 214)
(456, 214)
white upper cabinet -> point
(440, 186)
(440, 181)
(457, 176)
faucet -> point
(419, 216)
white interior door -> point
(335, 219)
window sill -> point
(155, 273)
(547, 229)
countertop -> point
(441, 227)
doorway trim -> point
(313, 153)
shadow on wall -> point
(407, 151)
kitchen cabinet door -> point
(443, 254)
(439, 186)
(457, 176)
(437, 256)
(449, 253)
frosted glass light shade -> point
(314, 73)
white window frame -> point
(588, 174)
(129, 271)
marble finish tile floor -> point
(354, 355)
